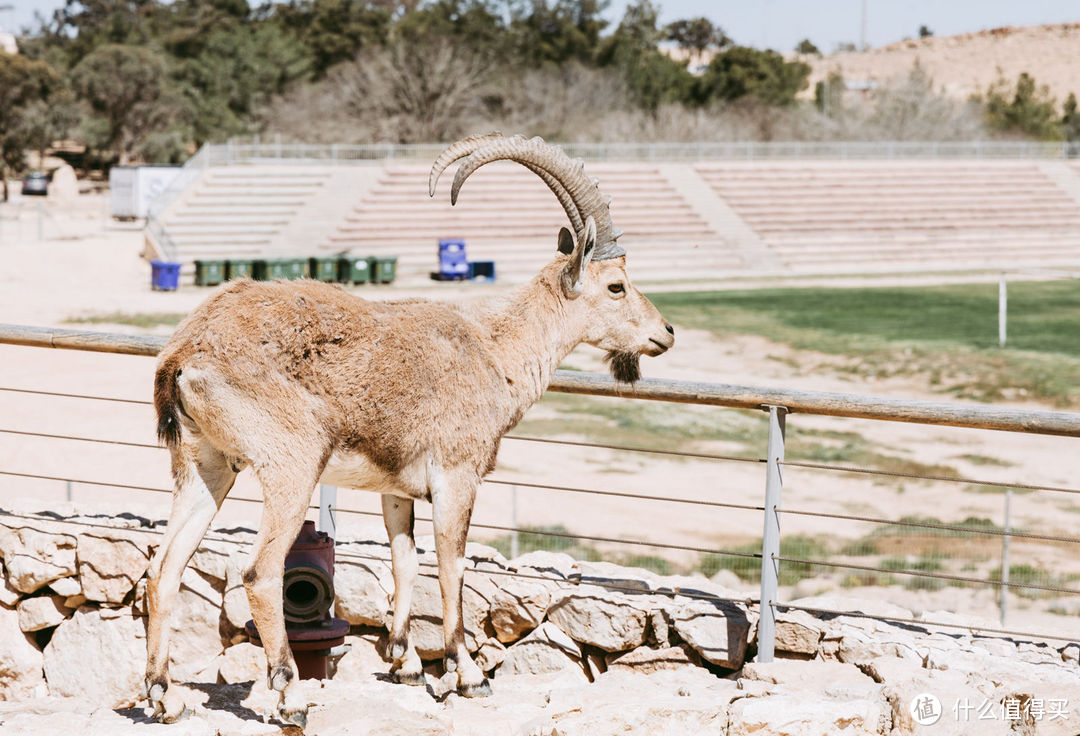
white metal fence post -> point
(770, 537)
(1005, 556)
(327, 504)
(514, 543)
(1003, 301)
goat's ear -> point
(574, 271)
(566, 241)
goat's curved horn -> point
(468, 146)
(570, 174)
(455, 151)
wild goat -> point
(307, 383)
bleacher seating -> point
(874, 215)
(506, 214)
(682, 221)
(237, 211)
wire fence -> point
(246, 150)
(905, 552)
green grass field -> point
(947, 333)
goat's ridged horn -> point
(536, 154)
(468, 146)
(461, 149)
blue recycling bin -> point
(453, 264)
(164, 275)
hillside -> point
(968, 63)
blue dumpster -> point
(453, 264)
(164, 275)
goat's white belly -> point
(355, 470)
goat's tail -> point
(167, 401)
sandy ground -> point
(86, 264)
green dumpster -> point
(354, 270)
(323, 269)
(383, 269)
(209, 273)
(238, 269)
(268, 269)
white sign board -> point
(133, 188)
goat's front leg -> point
(452, 509)
(398, 517)
(203, 478)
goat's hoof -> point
(409, 678)
(296, 717)
(169, 706)
(481, 690)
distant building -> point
(7, 43)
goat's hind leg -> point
(398, 517)
(287, 485)
(203, 477)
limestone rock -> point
(604, 620)
(810, 674)
(35, 558)
(727, 579)
(364, 658)
(8, 595)
(620, 579)
(425, 625)
(66, 587)
(20, 661)
(98, 654)
(242, 662)
(194, 628)
(546, 649)
(41, 612)
(212, 558)
(647, 659)
(490, 655)
(798, 632)
(362, 590)
(553, 564)
(718, 631)
(109, 566)
(518, 607)
(1070, 653)
(784, 714)
(235, 604)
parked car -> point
(35, 183)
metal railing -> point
(240, 150)
(778, 404)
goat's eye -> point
(615, 288)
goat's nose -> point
(669, 328)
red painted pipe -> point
(308, 592)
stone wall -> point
(72, 623)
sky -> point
(781, 24)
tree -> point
(652, 77)
(829, 95)
(807, 48)
(543, 32)
(1070, 120)
(129, 90)
(741, 72)
(23, 82)
(696, 35)
(412, 93)
(334, 30)
(1030, 111)
(925, 32)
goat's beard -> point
(625, 365)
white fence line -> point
(256, 150)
